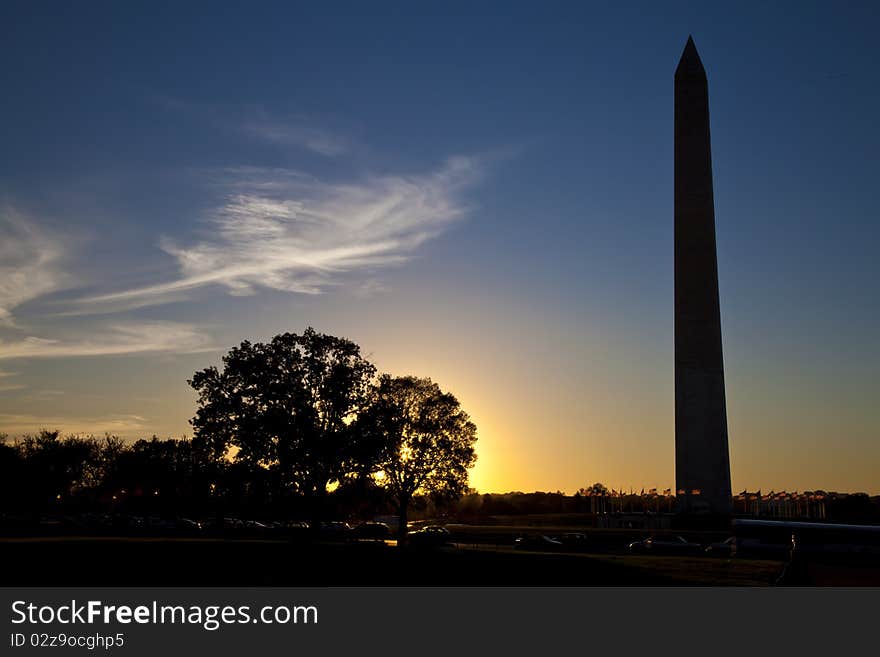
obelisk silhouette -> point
(702, 462)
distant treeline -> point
(50, 475)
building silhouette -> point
(702, 463)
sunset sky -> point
(480, 193)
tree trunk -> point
(402, 514)
(316, 511)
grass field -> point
(702, 570)
(214, 562)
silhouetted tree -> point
(54, 467)
(286, 407)
(105, 454)
(152, 475)
(10, 475)
(427, 441)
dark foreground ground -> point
(109, 561)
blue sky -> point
(482, 195)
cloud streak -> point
(119, 339)
(297, 133)
(9, 387)
(29, 263)
(283, 231)
(284, 129)
(120, 424)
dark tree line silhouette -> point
(298, 427)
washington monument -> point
(702, 462)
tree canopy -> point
(287, 407)
(427, 440)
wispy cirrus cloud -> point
(296, 132)
(118, 339)
(122, 424)
(5, 386)
(30, 259)
(280, 230)
(288, 129)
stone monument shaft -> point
(702, 462)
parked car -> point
(336, 530)
(538, 543)
(256, 526)
(725, 548)
(430, 536)
(735, 546)
(376, 531)
(187, 525)
(155, 523)
(673, 545)
(574, 541)
(235, 524)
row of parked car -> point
(729, 547)
(427, 536)
(147, 523)
(571, 541)
(577, 542)
(105, 523)
(666, 545)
